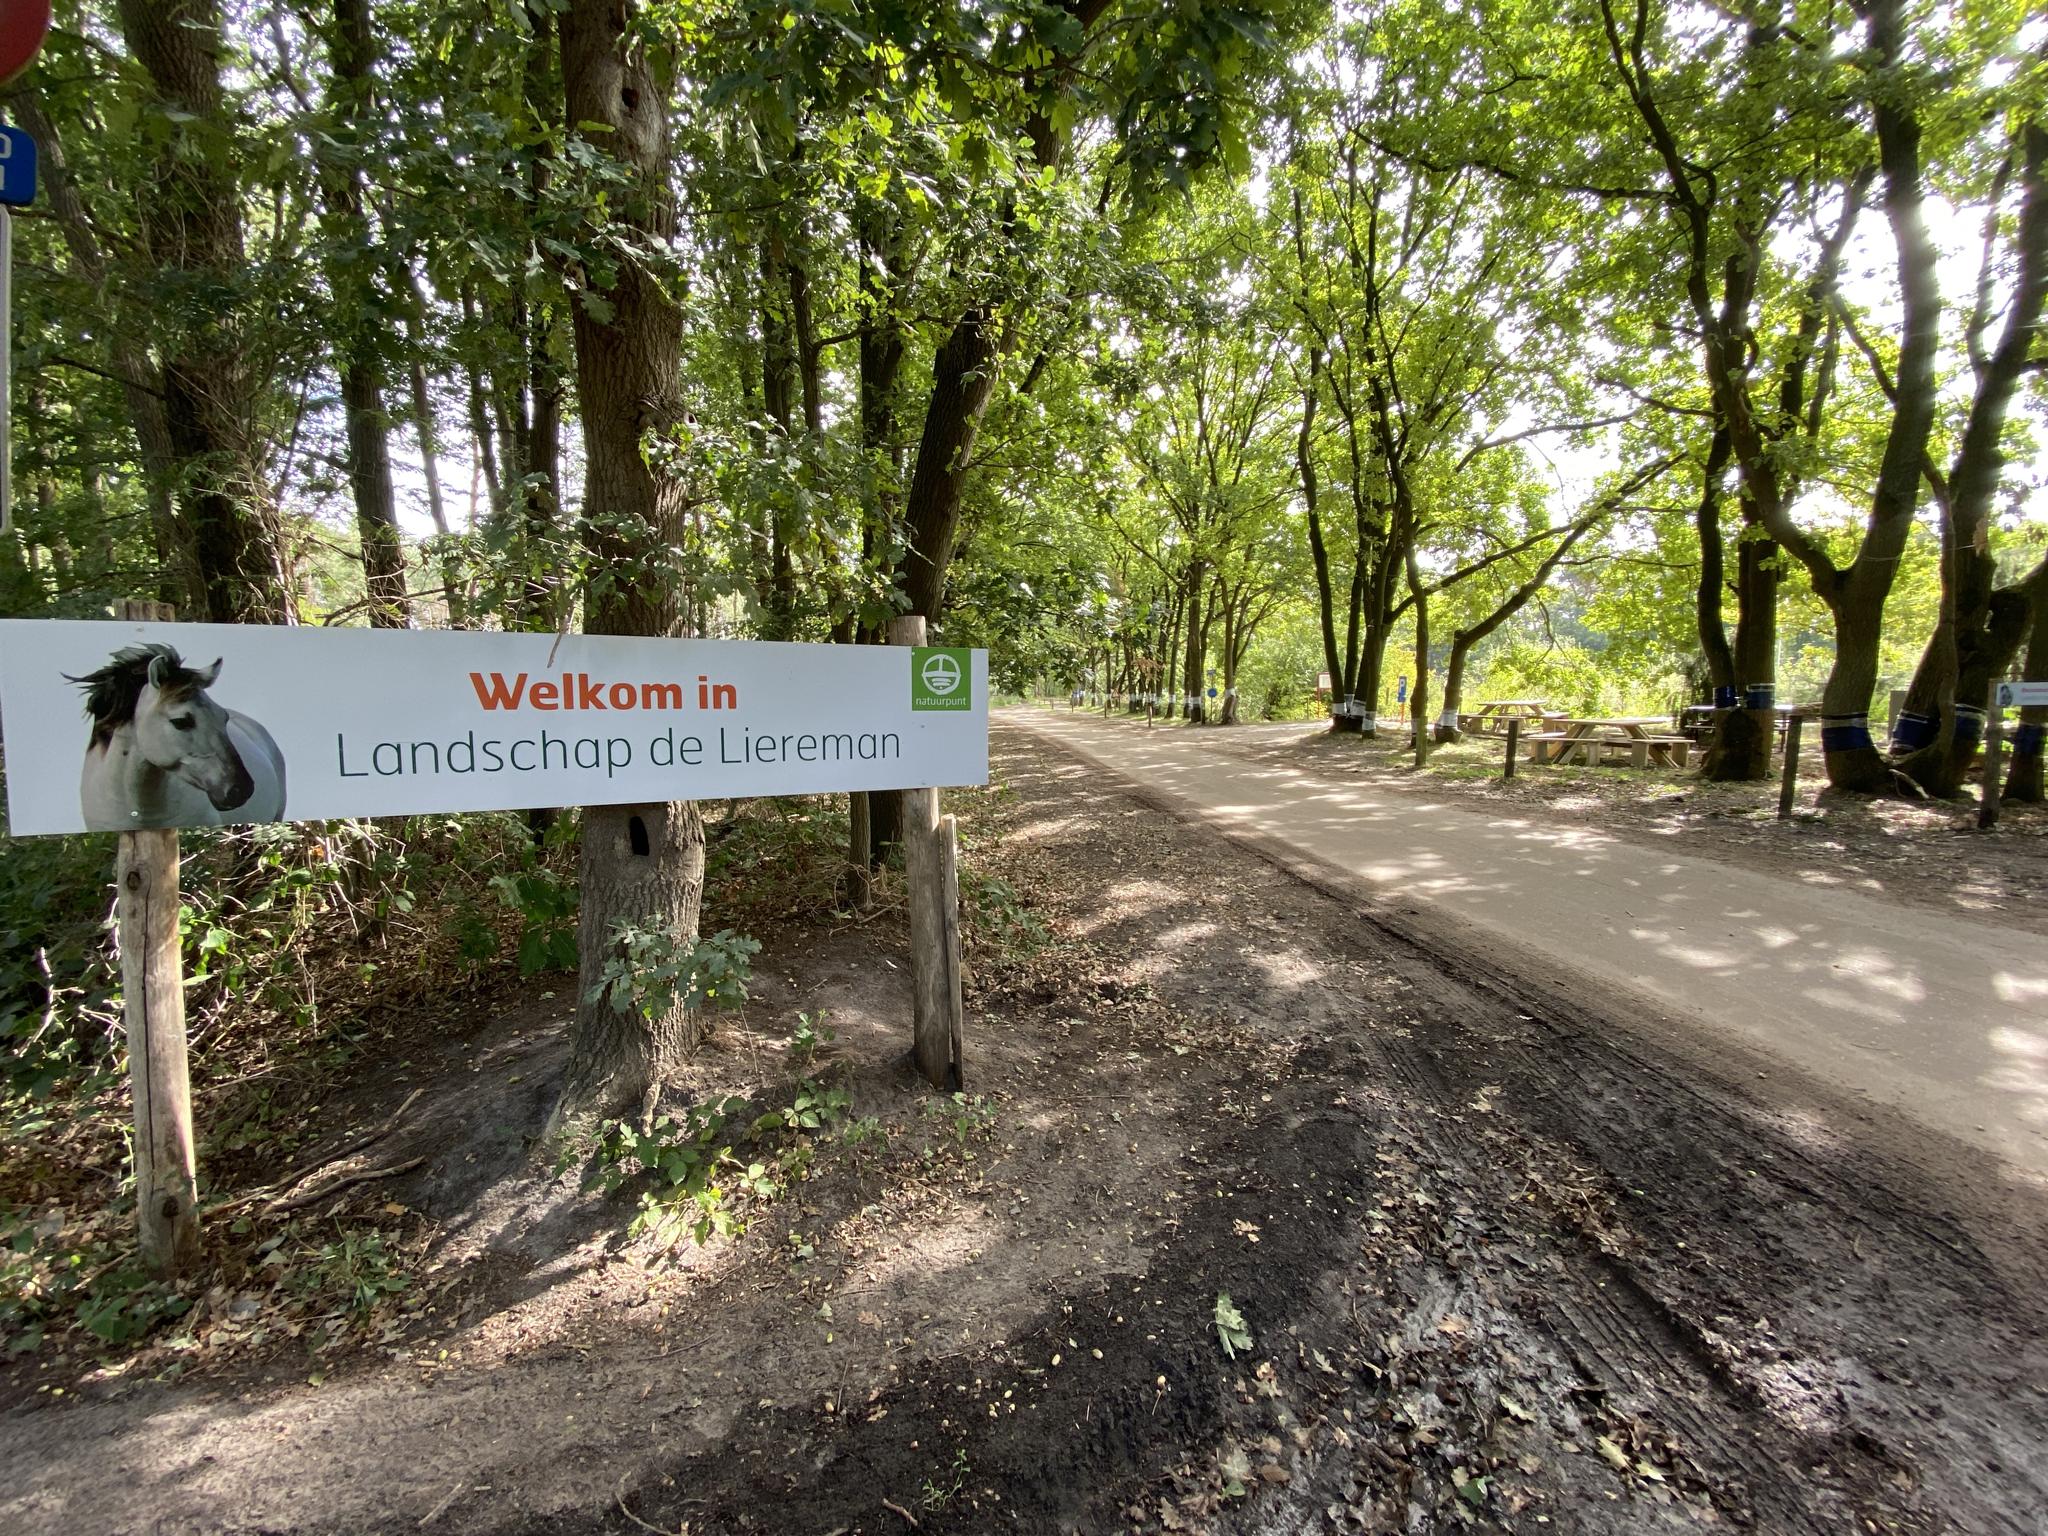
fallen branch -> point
(313, 1196)
(282, 1188)
(891, 1504)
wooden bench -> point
(1597, 751)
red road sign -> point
(22, 25)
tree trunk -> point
(2024, 781)
(192, 229)
(881, 345)
(1744, 732)
(430, 445)
(639, 864)
(1197, 649)
(1859, 594)
(1711, 592)
(1983, 628)
(1419, 699)
(1228, 714)
(1305, 465)
(141, 381)
(963, 379)
(369, 475)
(358, 340)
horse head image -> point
(158, 734)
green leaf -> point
(1231, 1329)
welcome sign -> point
(115, 726)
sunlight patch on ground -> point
(2019, 989)
(2025, 1070)
(1045, 830)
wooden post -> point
(153, 1011)
(1507, 770)
(1788, 786)
(934, 917)
(153, 1008)
(948, 846)
(1994, 761)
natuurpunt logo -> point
(941, 677)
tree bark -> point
(2024, 780)
(1858, 599)
(1711, 592)
(358, 348)
(639, 863)
(1419, 699)
(1983, 628)
(1744, 732)
(963, 380)
(141, 380)
(192, 226)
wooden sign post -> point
(1788, 784)
(931, 863)
(153, 1011)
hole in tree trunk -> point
(636, 833)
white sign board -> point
(110, 726)
(2020, 695)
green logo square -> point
(941, 677)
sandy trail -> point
(1940, 1018)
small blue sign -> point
(17, 167)
(1401, 690)
(1212, 690)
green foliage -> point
(59, 994)
(935, 1493)
(1232, 1332)
(49, 1282)
(650, 971)
(810, 1037)
(359, 1270)
(996, 915)
(964, 1119)
(700, 1176)
(546, 903)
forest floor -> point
(1259, 1215)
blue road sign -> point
(1401, 690)
(1212, 690)
(17, 167)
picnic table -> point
(1492, 719)
(1627, 738)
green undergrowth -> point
(301, 946)
(311, 953)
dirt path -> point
(1944, 1018)
(1501, 1263)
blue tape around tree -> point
(1845, 733)
(1969, 726)
(1912, 731)
(1724, 698)
(1760, 696)
(2030, 738)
